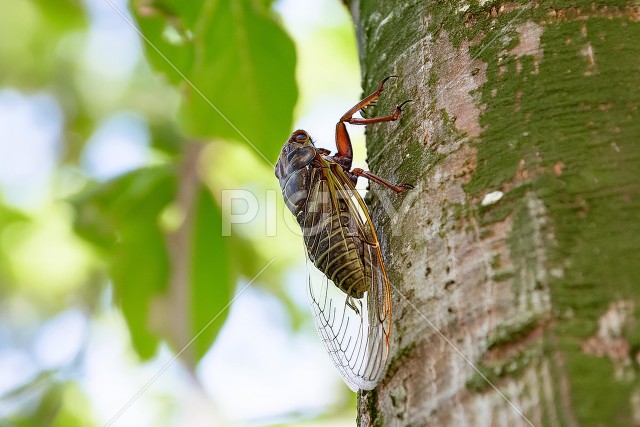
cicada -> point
(348, 286)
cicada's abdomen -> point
(332, 242)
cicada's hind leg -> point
(398, 188)
(343, 142)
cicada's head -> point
(297, 153)
(300, 138)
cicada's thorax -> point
(329, 234)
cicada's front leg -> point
(344, 156)
(343, 142)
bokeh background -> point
(121, 301)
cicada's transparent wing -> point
(354, 328)
(356, 345)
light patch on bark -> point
(587, 52)
(399, 400)
(540, 301)
(546, 381)
(491, 198)
(529, 44)
(377, 21)
(481, 409)
(608, 341)
(464, 75)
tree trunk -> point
(515, 261)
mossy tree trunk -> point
(515, 261)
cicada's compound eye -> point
(300, 137)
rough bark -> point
(515, 262)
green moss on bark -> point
(571, 117)
(493, 373)
(509, 333)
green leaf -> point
(49, 401)
(30, 33)
(63, 15)
(169, 44)
(102, 209)
(8, 218)
(246, 79)
(76, 409)
(140, 272)
(239, 66)
(121, 217)
(166, 138)
(140, 265)
(212, 281)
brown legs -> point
(375, 178)
(343, 142)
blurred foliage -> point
(8, 218)
(143, 243)
(234, 63)
(63, 404)
(120, 217)
(232, 88)
(214, 55)
(29, 40)
(219, 71)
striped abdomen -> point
(333, 242)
